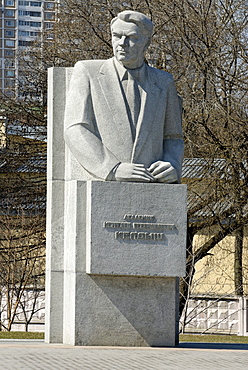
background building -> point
(21, 23)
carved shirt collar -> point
(139, 74)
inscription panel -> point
(134, 235)
(135, 229)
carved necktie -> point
(133, 99)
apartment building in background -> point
(21, 22)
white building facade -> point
(21, 22)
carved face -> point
(129, 44)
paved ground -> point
(37, 355)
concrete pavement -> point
(38, 355)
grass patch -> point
(197, 338)
(20, 335)
(208, 338)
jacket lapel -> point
(111, 90)
(149, 107)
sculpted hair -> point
(139, 19)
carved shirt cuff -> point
(111, 175)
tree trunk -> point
(238, 269)
(185, 283)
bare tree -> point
(22, 212)
(22, 260)
(210, 37)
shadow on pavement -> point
(226, 346)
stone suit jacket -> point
(97, 128)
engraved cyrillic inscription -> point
(117, 225)
(139, 230)
(134, 235)
(139, 217)
(153, 226)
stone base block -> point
(122, 311)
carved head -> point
(131, 36)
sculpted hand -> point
(133, 172)
(163, 172)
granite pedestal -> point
(124, 252)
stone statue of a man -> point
(122, 117)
